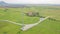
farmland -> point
(49, 26)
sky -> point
(33, 1)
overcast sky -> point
(33, 1)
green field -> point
(46, 27)
(49, 26)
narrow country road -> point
(27, 26)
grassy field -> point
(46, 27)
(17, 15)
(9, 28)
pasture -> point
(49, 26)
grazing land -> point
(49, 26)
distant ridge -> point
(4, 4)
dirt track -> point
(27, 26)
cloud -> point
(33, 1)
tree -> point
(5, 10)
(4, 32)
(33, 14)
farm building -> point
(30, 13)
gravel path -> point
(12, 22)
(28, 26)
